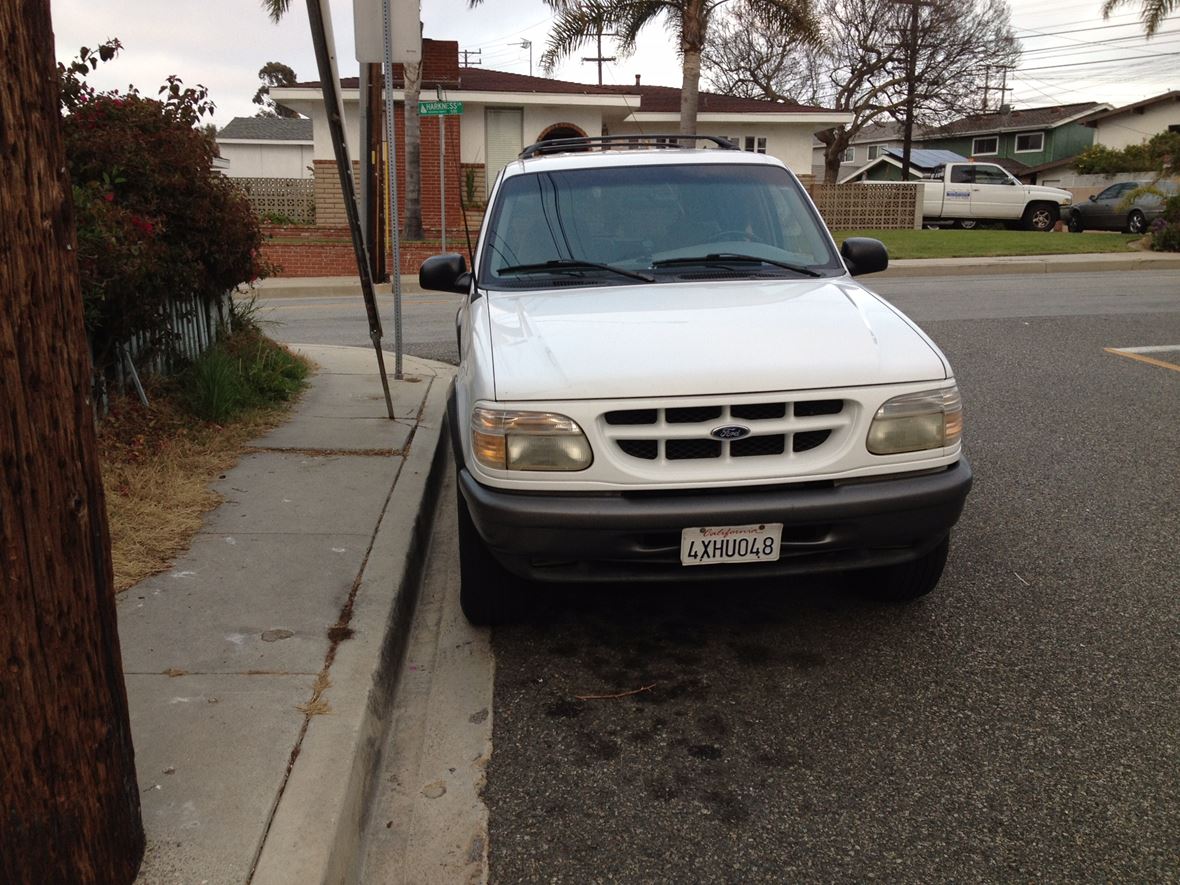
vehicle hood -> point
(1056, 194)
(701, 338)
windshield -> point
(627, 225)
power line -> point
(1105, 61)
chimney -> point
(636, 79)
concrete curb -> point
(1030, 264)
(317, 827)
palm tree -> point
(579, 21)
(1153, 12)
(276, 9)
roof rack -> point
(603, 142)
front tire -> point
(1136, 222)
(1041, 216)
(488, 593)
(905, 581)
(1075, 223)
(965, 224)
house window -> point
(989, 144)
(755, 144)
(1030, 142)
(875, 151)
(849, 155)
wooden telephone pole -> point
(69, 802)
(911, 74)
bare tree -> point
(71, 808)
(861, 65)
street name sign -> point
(440, 108)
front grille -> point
(754, 446)
(647, 449)
(809, 439)
(694, 415)
(777, 429)
(687, 449)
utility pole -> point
(911, 75)
(71, 810)
(467, 53)
(526, 44)
(987, 75)
(599, 58)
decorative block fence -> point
(292, 199)
(871, 206)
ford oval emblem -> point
(730, 431)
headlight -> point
(1068, 201)
(913, 422)
(507, 440)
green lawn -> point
(987, 243)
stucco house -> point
(1019, 139)
(1136, 123)
(266, 147)
(504, 112)
(869, 144)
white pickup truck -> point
(964, 194)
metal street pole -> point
(391, 167)
(319, 17)
(442, 168)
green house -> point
(1018, 139)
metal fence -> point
(869, 206)
(284, 200)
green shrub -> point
(214, 388)
(155, 222)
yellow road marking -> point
(1150, 360)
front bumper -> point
(636, 535)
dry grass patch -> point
(158, 462)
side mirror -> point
(1093, 198)
(445, 273)
(864, 255)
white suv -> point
(667, 372)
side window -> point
(1111, 192)
(962, 175)
(991, 175)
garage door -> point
(504, 135)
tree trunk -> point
(413, 227)
(689, 91)
(70, 803)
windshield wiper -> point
(559, 265)
(724, 259)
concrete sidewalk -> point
(259, 667)
(308, 287)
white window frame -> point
(753, 143)
(1035, 150)
(849, 155)
(975, 152)
(875, 151)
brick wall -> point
(479, 174)
(327, 251)
(329, 202)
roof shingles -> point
(267, 129)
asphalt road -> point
(428, 319)
(1021, 723)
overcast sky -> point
(223, 43)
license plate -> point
(712, 545)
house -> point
(1018, 139)
(887, 166)
(1136, 123)
(266, 147)
(865, 146)
(1115, 128)
(503, 112)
